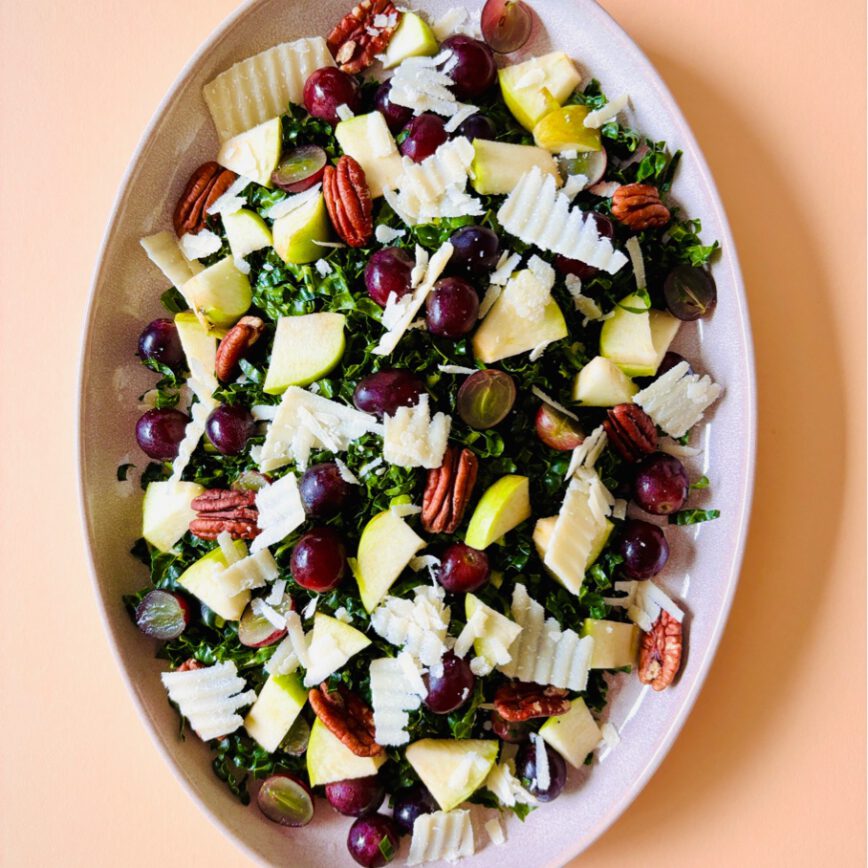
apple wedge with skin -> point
(221, 293)
(636, 338)
(537, 86)
(412, 38)
(247, 232)
(601, 383)
(452, 769)
(367, 139)
(305, 349)
(616, 643)
(504, 506)
(574, 734)
(328, 760)
(255, 153)
(199, 580)
(166, 512)
(276, 708)
(296, 234)
(497, 167)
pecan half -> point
(240, 338)
(347, 717)
(206, 185)
(631, 431)
(516, 701)
(639, 207)
(222, 499)
(448, 491)
(356, 40)
(660, 652)
(189, 665)
(348, 200)
(220, 510)
(211, 528)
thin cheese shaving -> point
(292, 203)
(595, 119)
(552, 403)
(678, 400)
(413, 439)
(280, 512)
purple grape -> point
(606, 228)
(324, 492)
(328, 88)
(285, 799)
(476, 251)
(356, 797)
(397, 116)
(509, 731)
(229, 427)
(670, 360)
(644, 549)
(410, 803)
(382, 393)
(525, 768)
(690, 292)
(661, 484)
(159, 342)
(475, 72)
(477, 126)
(425, 134)
(373, 841)
(388, 272)
(163, 615)
(452, 688)
(463, 569)
(319, 560)
(159, 433)
(452, 308)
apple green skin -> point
(504, 506)
(497, 167)
(532, 103)
(435, 761)
(276, 708)
(616, 643)
(328, 760)
(295, 234)
(255, 153)
(221, 293)
(305, 349)
(247, 232)
(563, 129)
(601, 383)
(166, 512)
(199, 580)
(574, 734)
(636, 340)
(413, 38)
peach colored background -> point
(770, 768)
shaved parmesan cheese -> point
(402, 510)
(595, 119)
(574, 185)
(538, 214)
(165, 252)
(502, 782)
(323, 268)
(481, 667)
(284, 659)
(297, 639)
(386, 235)
(275, 597)
(420, 267)
(459, 117)
(538, 350)
(552, 403)
(230, 553)
(492, 294)
(254, 571)
(310, 609)
(413, 439)
(585, 455)
(543, 772)
(366, 469)
(506, 265)
(458, 370)
(280, 512)
(449, 22)
(678, 450)
(232, 200)
(635, 251)
(419, 626)
(495, 831)
(292, 203)
(261, 609)
(393, 695)
(604, 189)
(611, 739)
(419, 84)
(344, 112)
(209, 698)
(341, 614)
(678, 400)
(529, 293)
(474, 629)
(345, 473)
(644, 601)
(619, 510)
(192, 435)
(441, 835)
(198, 246)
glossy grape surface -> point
(388, 271)
(572, 266)
(285, 799)
(425, 134)
(510, 731)
(506, 24)
(525, 769)
(160, 432)
(475, 72)
(644, 549)
(356, 797)
(557, 430)
(690, 292)
(163, 615)
(410, 803)
(477, 126)
(373, 840)
(463, 569)
(382, 393)
(452, 688)
(452, 308)
(661, 484)
(476, 251)
(324, 492)
(670, 360)
(328, 88)
(486, 398)
(229, 427)
(397, 116)
(300, 169)
(159, 342)
(319, 560)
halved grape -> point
(690, 292)
(162, 615)
(485, 398)
(506, 24)
(296, 740)
(300, 169)
(558, 430)
(286, 800)
(591, 164)
(256, 631)
(251, 480)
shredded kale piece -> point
(694, 516)
(700, 483)
(123, 470)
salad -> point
(416, 440)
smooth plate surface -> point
(702, 572)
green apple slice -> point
(537, 86)
(504, 506)
(247, 232)
(220, 293)
(574, 734)
(497, 167)
(616, 644)
(276, 708)
(254, 153)
(366, 138)
(296, 234)
(412, 38)
(626, 338)
(499, 631)
(664, 328)
(452, 769)
(387, 545)
(305, 348)
(166, 512)
(601, 383)
(200, 579)
(564, 130)
(332, 643)
(199, 343)
(328, 760)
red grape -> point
(323, 490)
(670, 360)
(690, 292)
(661, 484)
(572, 266)
(382, 393)
(163, 615)
(525, 768)
(328, 88)
(506, 24)
(228, 428)
(159, 342)
(452, 688)
(424, 135)
(476, 251)
(160, 432)
(463, 569)
(477, 126)
(319, 560)
(397, 116)
(300, 169)
(285, 799)
(452, 308)
(410, 803)
(644, 549)
(388, 272)
(510, 731)
(356, 797)
(475, 72)
(485, 398)
(373, 841)
(557, 430)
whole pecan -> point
(210, 528)
(347, 717)
(222, 499)
(516, 701)
(631, 431)
(206, 185)
(660, 652)
(448, 491)
(240, 338)
(639, 207)
(356, 40)
(348, 199)
(224, 510)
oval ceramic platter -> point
(702, 573)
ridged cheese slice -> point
(678, 400)
(446, 835)
(164, 251)
(280, 512)
(418, 626)
(394, 693)
(262, 86)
